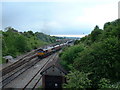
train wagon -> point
(41, 53)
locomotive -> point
(42, 53)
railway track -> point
(17, 64)
(16, 74)
(20, 62)
(19, 67)
(14, 70)
(37, 77)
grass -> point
(2, 60)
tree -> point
(104, 83)
(77, 80)
(100, 56)
(95, 34)
(70, 54)
(21, 43)
(102, 59)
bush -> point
(104, 83)
(68, 56)
(77, 80)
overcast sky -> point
(59, 18)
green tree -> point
(100, 56)
(70, 54)
(77, 80)
(104, 83)
(21, 43)
(102, 59)
(95, 34)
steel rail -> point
(39, 71)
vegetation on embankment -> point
(94, 60)
(15, 43)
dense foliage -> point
(100, 56)
(75, 81)
(69, 55)
(15, 43)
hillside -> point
(15, 43)
(94, 60)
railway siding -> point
(17, 64)
(24, 78)
(26, 65)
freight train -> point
(42, 53)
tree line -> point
(94, 60)
(15, 43)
